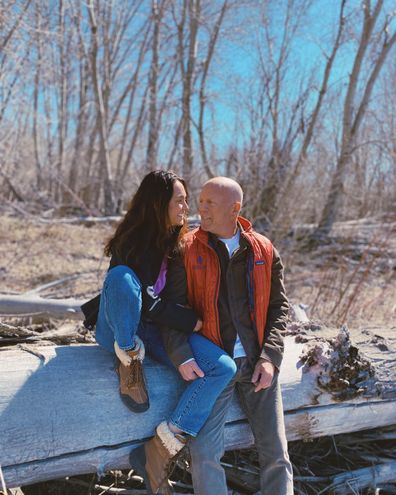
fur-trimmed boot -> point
(133, 390)
(156, 458)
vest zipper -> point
(217, 290)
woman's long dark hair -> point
(146, 223)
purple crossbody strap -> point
(161, 280)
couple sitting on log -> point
(211, 303)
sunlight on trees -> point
(295, 103)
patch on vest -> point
(200, 263)
(259, 262)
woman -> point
(131, 307)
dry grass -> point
(351, 279)
(33, 254)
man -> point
(233, 277)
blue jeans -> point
(120, 320)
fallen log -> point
(66, 333)
(60, 413)
(371, 477)
(31, 303)
(11, 305)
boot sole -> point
(130, 403)
(134, 406)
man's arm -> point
(272, 352)
(276, 317)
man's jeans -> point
(119, 320)
(264, 411)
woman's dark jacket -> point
(154, 308)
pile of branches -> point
(357, 463)
(354, 463)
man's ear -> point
(237, 207)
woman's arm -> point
(175, 291)
(174, 315)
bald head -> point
(219, 204)
(228, 187)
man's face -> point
(216, 210)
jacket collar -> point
(212, 240)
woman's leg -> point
(151, 336)
(118, 321)
(119, 309)
(153, 458)
(197, 401)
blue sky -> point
(236, 57)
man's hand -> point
(263, 374)
(191, 371)
(198, 326)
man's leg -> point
(264, 410)
(208, 448)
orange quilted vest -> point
(203, 279)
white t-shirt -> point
(232, 245)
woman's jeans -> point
(119, 320)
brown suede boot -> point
(156, 458)
(133, 390)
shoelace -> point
(136, 374)
(182, 457)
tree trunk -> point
(151, 159)
(104, 156)
(187, 69)
(354, 111)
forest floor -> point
(349, 279)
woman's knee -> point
(226, 366)
(123, 277)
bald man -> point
(233, 278)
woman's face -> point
(178, 207)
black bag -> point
(91, 310)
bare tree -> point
(214, 35)
(109, 204)
(313, 118)
(16, 21)
(157, 12)
(187, 30)
(355, 105)
(94, 94)
(275, 126)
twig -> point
(60, 281)
(3, 485)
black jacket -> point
(154, 307)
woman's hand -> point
(198, 326)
